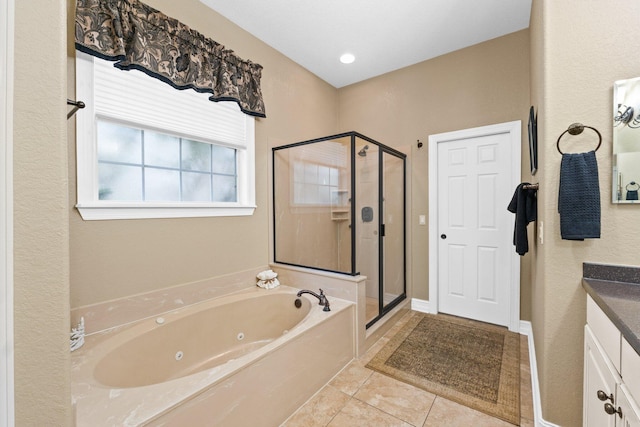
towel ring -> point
(632, 183)
(576, 129)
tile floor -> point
(358, 396)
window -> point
(318, 171)
(146, 150)
(313, 183)
(139, 165)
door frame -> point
(6, 214)
(514, 129)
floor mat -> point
(473, 363)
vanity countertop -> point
(621, 303)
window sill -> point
(102, 211)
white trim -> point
(420, 305)
(526, 329)
(514, 130)
(96, 211)
(6, 215)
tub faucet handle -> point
(322, 297)
(324, 301)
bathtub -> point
(249, 358)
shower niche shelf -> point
(340, 205)
(340, 215)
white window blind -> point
(132, 96)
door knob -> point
(611, 410)
(443, 236)
(603, 396)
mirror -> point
(626, 141)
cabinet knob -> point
(611, 410)
(603, 396)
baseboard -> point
(526, 329)
(420, 305)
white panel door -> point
(474, 227)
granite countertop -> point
(620, 300)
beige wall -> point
(41, 269)
(577, 55)
(112, 259)
(484, 84)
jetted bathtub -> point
(249, 358)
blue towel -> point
(579, 197)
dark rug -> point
(469, 362)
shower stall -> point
(339, 206)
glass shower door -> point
(392, 238)
(367, 166)
(384, 245)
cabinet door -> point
(629, 414)
(600, 380)
(630, 370)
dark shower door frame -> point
(383, 149)
(383, 308)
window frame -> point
(91, 208)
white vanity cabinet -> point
(611, 374)
(629, 413)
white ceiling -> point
(384, 35)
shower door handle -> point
(381, 230)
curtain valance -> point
(137, 36)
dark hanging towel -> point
(579, 197)
(524, 205)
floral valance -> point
(140, 37)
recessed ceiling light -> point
(347, 58)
